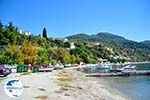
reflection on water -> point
(143, 66)
(134, 87)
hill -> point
(17, 48)
(100, 37)
(105, 37)
(132, 49)
(82, 38)
(147, 43)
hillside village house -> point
(25, 32)
(72, 46)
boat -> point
(126, 69)
(58, 66)
(88, 67)
(103, 68)
(46, 69)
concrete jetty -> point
(137, 72)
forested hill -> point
(98, 37)
(18, 47)
(147, 42)
(105, 37)
(139, 50)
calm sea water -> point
(134, 87)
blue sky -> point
(127, 18)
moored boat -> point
(126, 69)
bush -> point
(5, 60)
(53, 62)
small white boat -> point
(58, 66)
(48, 69)
(127, 68)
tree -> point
(73, 59)
(29, 52)
(5, 59)
(64, 56)
(11, 51)
(44, 33)
(10, 27)
(78, 59)
(15, 54)
(52, 52)
(1, 26)
(53, 62)
(59, 43)
(42, 56)
(67, 45)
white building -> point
(25, 32)
(65, 40)
(97, 43)
(20, 31)
(109, 49)
(72, 46)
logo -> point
(13, 88)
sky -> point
(127, 18)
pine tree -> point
(1, 25)
(44, 33)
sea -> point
(132, 87)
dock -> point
(137, 72)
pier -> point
(137, 72)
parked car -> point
(4, 71)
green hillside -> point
(138, 51)
(23, 48)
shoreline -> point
(91, 88)
(65, 84)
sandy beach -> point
(66, 84)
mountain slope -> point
(104, 36)
(111, 39)
(82, 38)
(147, 42)
(139, 51)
